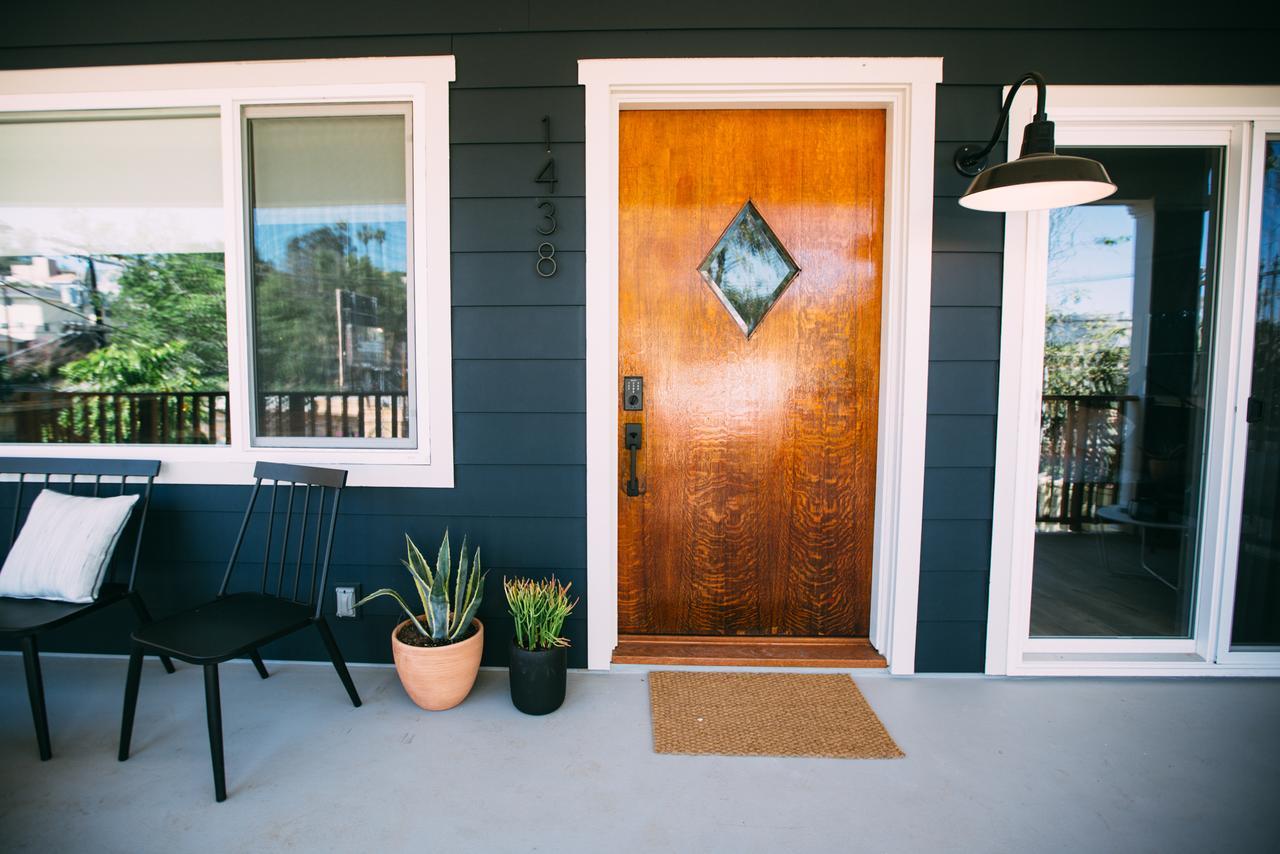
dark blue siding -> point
(964, 348)
(519, 340)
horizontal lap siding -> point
(515, 60)
(90, 23)
(519, 344)
(510, 225)
(519, 340)
(964, 349)
(519, 399)
(522, 337)
(508, 279)
(973, 57)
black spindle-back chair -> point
(27, 619)
(299, 523)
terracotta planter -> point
(438, 677)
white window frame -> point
(1100, 116)
(904, 87)
(421, 81)
(366, 108)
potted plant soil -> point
(538, 652)
(437, 651)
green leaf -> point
(443, 561)
(422, 594)
(472, 589)
(438, 603)
(387, 591)
(459, 588)
(417, 563)
(467, 616)
(420, 571)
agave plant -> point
(447, 619)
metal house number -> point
(546, 264)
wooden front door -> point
(749, 302)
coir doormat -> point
(765, 714)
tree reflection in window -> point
(748, 268)
(331, 276)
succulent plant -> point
(446, 617)
(539, 609)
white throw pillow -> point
(64, 547)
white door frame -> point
(905, 89)
(1125, 115)
(1255, 168)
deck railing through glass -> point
(195, 417)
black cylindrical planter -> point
(538, 679)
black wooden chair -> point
(27, 619)
(235, 625)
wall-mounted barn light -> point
(1040, 178)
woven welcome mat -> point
(765, 714)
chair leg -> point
(257, 662)
(35, 692)
(130, 700)
(335, 655)
(213, 704)
(144, 617)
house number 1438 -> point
(546, 263)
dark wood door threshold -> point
(746, 651)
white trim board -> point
(1129, 115)
(905, 89)
(422, 81)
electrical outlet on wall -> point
(347, 596)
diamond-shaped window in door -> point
(748, 268)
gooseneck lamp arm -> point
(970, 160)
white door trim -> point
(905, 89)
(1254, 171)
(1124, 115)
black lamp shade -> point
(1038, 181)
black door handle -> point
(1254, 410)
(631, 440)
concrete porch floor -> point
(1045, 765)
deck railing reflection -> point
(194, 417)
(325, 414)
(1082, 455)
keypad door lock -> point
(632, 394)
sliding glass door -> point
(1255, 623)
(1131, 290)
(1137, 489)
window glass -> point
(331, 279)
(1131, 284)
(1256, 621)
(748, 268)
(112, 295)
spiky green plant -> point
(539, 609)
(447, 619)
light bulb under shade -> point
(1038, 182)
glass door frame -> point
(1096, 116)
(1265, 659)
